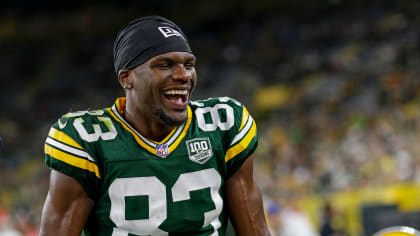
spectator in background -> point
(295, 222)
(26, 223)
(6, 225)
(273, 213)
(327, 227)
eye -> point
(189, 65)
(162, 65)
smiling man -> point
(155, 163)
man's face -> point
(162, 87)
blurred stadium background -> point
(334, 86)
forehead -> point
(175, 56)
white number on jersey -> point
(81, 113)
(215, 118)
(97, 132)
(156, 192)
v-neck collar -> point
(171, 141)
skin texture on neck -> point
(148, 126)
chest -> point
(182, 192)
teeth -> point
(176, 92)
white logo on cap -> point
(168, 32)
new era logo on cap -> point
(168, 32)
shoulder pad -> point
(213, 101)
(84, 126)
(220, 113)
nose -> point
(181, 73)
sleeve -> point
(64, 152)
(243, 139)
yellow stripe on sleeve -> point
(242, 145)
(72, 160)
(62, 137)
(244, 117)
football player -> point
(155, 163)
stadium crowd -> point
(334, 89)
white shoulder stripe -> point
(69, 149)
(244, 131)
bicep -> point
(244, 202)
(66, 207)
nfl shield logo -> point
(162, 150)
(199, 150)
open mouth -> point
(177, 97)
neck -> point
(146, 124)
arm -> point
(66, 208)
(244, 202)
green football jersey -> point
(143, 187)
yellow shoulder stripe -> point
(62, 137)
(242, 145)
(244, 117)
(72, 160)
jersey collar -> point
(171, 141)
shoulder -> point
(218, 106)
(79, 125)
(71, 143)
(220, 113)
(230, 122)
(216, 100)
(87, 115)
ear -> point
(123, 78)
